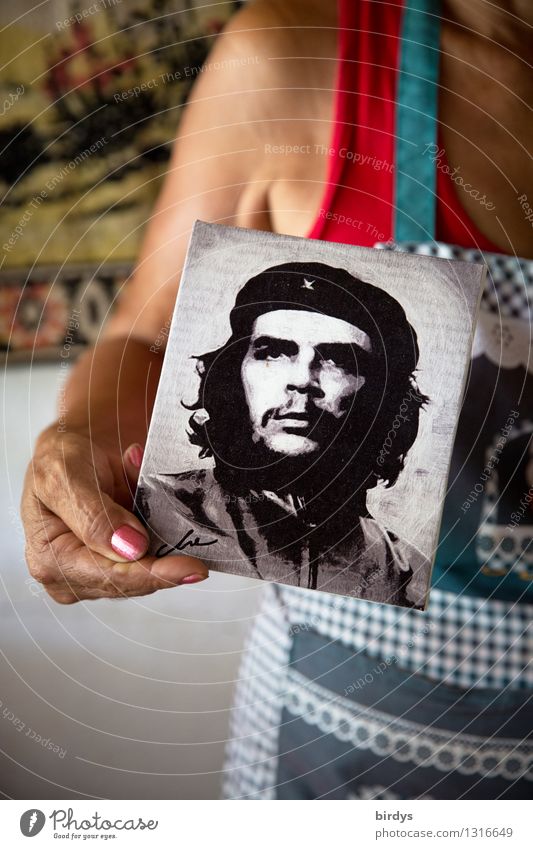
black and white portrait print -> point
(305, 416)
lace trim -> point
(378, 791)
(506, 342)
(405, 741)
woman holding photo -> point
(359, 122)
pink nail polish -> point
(135, 455)
(192, 579)
(128, 542)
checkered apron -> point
(342, 698)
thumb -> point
(102, 524)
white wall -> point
(137, 692)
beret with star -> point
(317, 287)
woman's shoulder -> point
(286, 36)
(285, 15)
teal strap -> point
(416, 122)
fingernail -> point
(128, 542)
(135, 455)
(192, 579)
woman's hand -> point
(82, 541)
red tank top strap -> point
(358, 200)
(357, 203)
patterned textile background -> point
(91, 94)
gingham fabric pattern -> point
(509, 278)
(251, 753)
(461, 640)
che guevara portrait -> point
(312, 402)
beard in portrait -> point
(296, 410)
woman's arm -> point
(78, 488)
